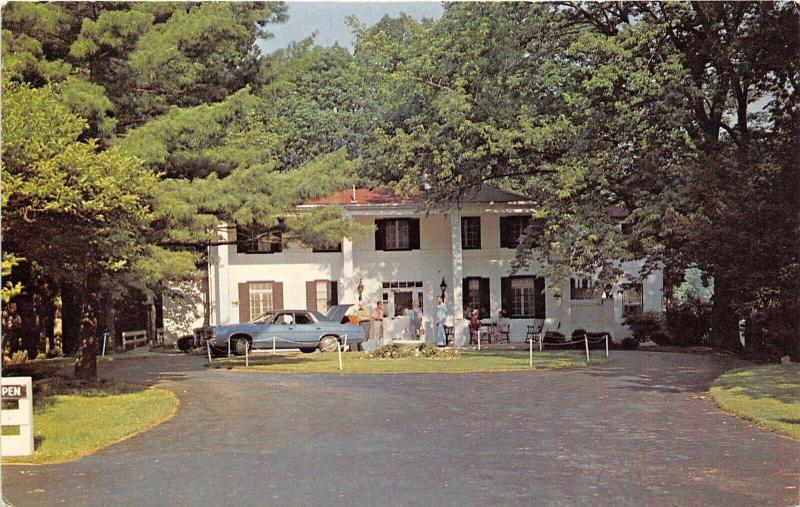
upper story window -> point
(581, 288)
(262, 240)
(397, 234)
(471, 233)
(511, 229)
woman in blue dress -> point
(441, 314)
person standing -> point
(474, 327)
(363, 318)
(376, 333)
(441, 315)
(415, 320)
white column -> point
(224, 301)
(457, 305)
(349, 294)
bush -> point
(55, 352)
(18, 357)
(394, 351)
(689, 322)
(630, 343)
(647, 326)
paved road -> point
(638, 431)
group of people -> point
(373, 322)
(502, 327)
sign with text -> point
(17, 412)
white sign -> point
(17, 411)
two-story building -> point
(412, 255)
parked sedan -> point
(288, 329)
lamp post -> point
(360, 289)
(443, 286)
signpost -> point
(17, 411)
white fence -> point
(139, 337)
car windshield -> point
(264, 317)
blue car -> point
(307, 330)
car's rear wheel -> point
(239, 345)
(328, 343)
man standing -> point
(363, 318)
(415, 321)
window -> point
(632, 299)
(398, 296)
(261, 298)
(397, 234)
(511, 229)
(523, 296)
(260, 240)
(303, 318)
(476, 297)
(581, 288)
(471, 233)
(322, 246)
(321, 295)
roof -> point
(387, 195)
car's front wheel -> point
(328, 344)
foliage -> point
(647, 326)
(17, 357)
(427, 351)
(688, 322)
(630, 343)
(767, 395)
(10, 289)
(55, 352)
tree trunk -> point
(58, 324)
(110, 322)
(86, 357)
(724, 320)
(152, 333)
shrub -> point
(630, 343)
(647, 326)
(18, 357)
(55, 352)
(394, 351)
(689, 322)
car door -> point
(282, 325)
(306, 329)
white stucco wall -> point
(430, 264)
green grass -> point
(766, 395)
(80, 421)
(356, 362)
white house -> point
(411, 255)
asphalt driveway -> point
(638, 431)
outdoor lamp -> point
(443, 286)
(360, 289)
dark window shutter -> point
(505, 295)
(464, 295)
(486, 310)
(380, 235)
(241, 240)
(244, 302)
(277, 295)
(505, 242)
(311, 295)
(333, 294)
(413, 234)
(539, 299)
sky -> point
(328, 20)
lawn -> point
(357, 362)
(766, 395)
(72, 422)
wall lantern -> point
(443, 286)
(360, 289)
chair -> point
(504, 333)
(535, 330)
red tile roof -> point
(380, 195)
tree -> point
(77, 212)
(645, 108)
